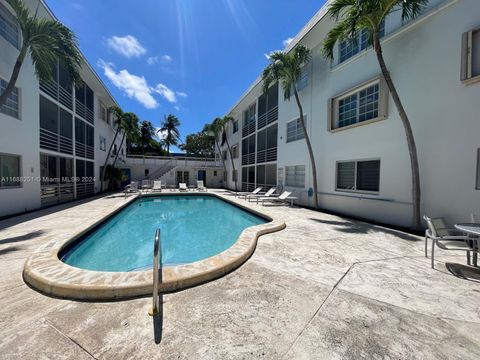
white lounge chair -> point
(200, 186)
(257, 196)
(130, 188)
(182, 187)
(146, 185)
(245, 194)
(283, 198)
(445, 238)
(157, 185)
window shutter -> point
(465, 56)
(330, 117)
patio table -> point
(472, 229)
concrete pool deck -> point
(325, 287)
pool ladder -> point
(157, 274)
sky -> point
(190, 58)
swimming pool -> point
(193, 227)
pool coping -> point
(45, 272)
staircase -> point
(165, 168)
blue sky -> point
(190, 58)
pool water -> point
(192, 228)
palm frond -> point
(337, 34)
(337, 8)
(412, 8)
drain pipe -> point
(157, 274)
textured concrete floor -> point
(324, 288)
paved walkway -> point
(326, 287)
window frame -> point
(358, 42)
(235, 154)
(466, 58)
(295, 175)
(356, 191)
(20, 167)
(19, 101)
(298, 126)
(333, 104)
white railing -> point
(174, 161)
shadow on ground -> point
(25, 237)
(354, 227)
(464, 272)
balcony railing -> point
(55, 142)
(248, 129)
(267, 155)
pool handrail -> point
(157, 274)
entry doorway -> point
(202, 176)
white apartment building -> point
(54, 137)
(358, 139)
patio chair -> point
(256, 196)
(283, 198)
(245, 194)
(445, 238)
(157, 185)
(146, 185)
(182, 187)
(200, 186)
(130, 188)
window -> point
(235, 151)
(358, 176)
(471, 55)
(266, 176)
(295, 130)
(147, 172)
(9, 26)
(365, 102)
(103, 112)
(248, 150)
(235, 126)
(103, 143)
(295, 176)
(224, 154)
(114, 150)
(214, 172)
(302, 81)
(351, 47)
(9, 170)
(267, 144)
(11, 106)
(478, 170)
(249, 120)
(234, 175)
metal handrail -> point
(157, 274)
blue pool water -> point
(192, 228)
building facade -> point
(54, 136)
(361, 154)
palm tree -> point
(130, 130)
(46, 41)
(223, 122)
(286, 69)
(353, 16)
(170, 125)
(147, 132)
(119, 124)
(214, 129)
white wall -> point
(424, 61)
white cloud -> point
(165, 92)
(181, 94)
(287, 42)
(164, 59)
(161, 134)
(127, 46)
(177, 108)
(132, 85)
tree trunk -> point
(309, 146)
(221, 157)
(102, 175)
(13, 78)
(412, 148)
(233, 165)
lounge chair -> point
(157, 185)
(182, 187)
(245, 194)
(445, 238)
(256, 196)
(200, 186)
(283, 198)
(130, 188)
(146, 185)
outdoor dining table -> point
(472, 229)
